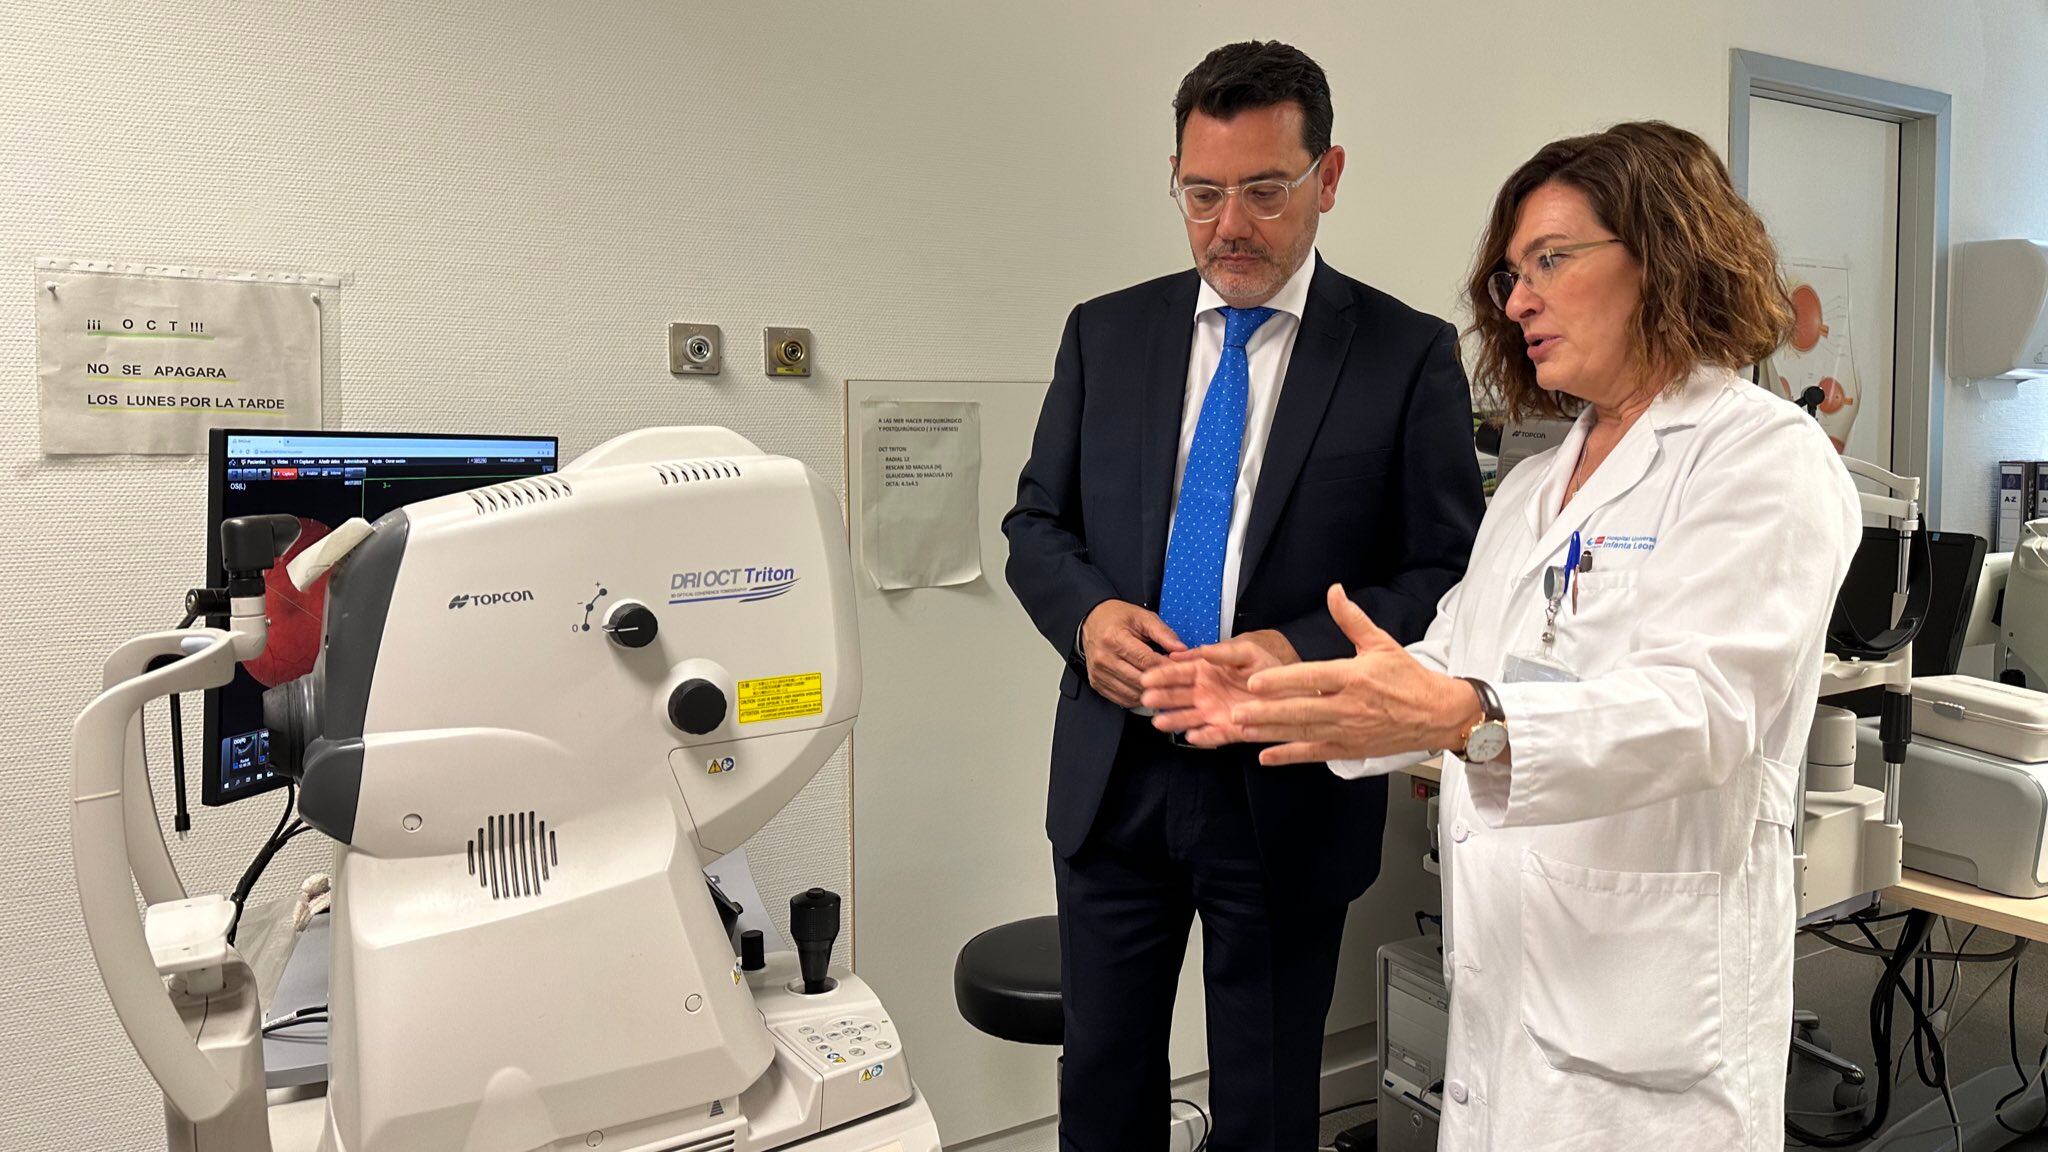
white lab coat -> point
(1619, 899)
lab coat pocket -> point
(1603, 590)
(1597, 616)
(1622, 972)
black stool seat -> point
(1007, 981)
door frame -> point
(1920, 328)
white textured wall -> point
(2000, 175)
(523, 193)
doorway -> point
(1851, 175)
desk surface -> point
(1943, 897)
(1959, 901)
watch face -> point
(1486, 743)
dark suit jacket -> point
(1369, 480)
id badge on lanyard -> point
(1542, 664)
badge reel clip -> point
(1545, 666)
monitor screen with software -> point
(322, 478)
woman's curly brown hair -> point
(1712, 292)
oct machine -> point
(2025, 629)
(1975, 788)
(540, 709)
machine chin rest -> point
(1007, 981)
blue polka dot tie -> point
(1191, 597)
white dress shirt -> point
(1269, 350)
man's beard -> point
(1260, 279)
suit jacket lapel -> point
(1170, 335)
(1319, 349)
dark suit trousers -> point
(1174, 840)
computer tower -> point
(1415, 1015)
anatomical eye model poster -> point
(1818, 354)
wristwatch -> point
(1488, 739)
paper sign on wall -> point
(143, 358)
(921, 492)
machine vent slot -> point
(725, 1141)
(696, 471)
(514, 855)
(520, 493)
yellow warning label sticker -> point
(782, 697)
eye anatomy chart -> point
(1818, 355)
(146, 358)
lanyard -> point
(1557, 580)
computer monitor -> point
(1958, 566)
(323, 478)
(1955, 563)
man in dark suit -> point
(1216, 449)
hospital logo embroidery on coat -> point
(1625, 543)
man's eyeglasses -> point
(1263, 199)
(1542, 267)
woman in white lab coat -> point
(1619, 790)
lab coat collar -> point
(1623, 469)
(1685, 407)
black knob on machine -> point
(631, 624)
(753, 950)
(814, 925)
(696, 707)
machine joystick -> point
(814, 925)
(753, 951)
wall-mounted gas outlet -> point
(788, 351)
(695, 349)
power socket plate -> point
(695, 349)
(787, 351)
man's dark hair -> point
(1257, 74)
